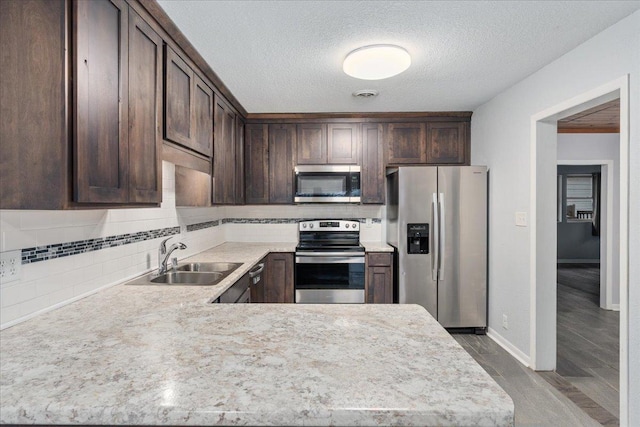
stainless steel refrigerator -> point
(437, 221)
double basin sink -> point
(195, 274)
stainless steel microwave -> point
(327, 184)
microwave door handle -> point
(434, 237)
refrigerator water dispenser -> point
(418, 238)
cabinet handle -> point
(253, 273)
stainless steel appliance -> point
(329, 263)
(327, 184)
(437, 221)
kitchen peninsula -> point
(154, 355)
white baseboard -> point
(614, 307)
(510, 348)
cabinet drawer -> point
(378, 259)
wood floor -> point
(584, 389)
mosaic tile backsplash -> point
(59, 250)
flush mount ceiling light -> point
(376, 62)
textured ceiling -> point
(286, 56)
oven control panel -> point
(329, 225)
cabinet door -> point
(372, 173)
(405, 143)
(34, 164)
(239, 161)
(282, 145)
(224, 154)
(342, 143)
(145, 112)
(447, 143)
(279, 280)
(256, 163)
(203, 117)
(178, 99)
(379, 279)
(101, 67)
(312, 144)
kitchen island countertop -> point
(153, 355)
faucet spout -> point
(164, 254)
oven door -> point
(329, 278)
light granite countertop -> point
(376, 247)
(152, 355)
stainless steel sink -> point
(222, 267)
(188, 278)
(192, 274)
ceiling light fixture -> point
(376, 62)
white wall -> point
(500, 138)
(599, 146)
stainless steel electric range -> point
(329, 267)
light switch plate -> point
(10, 266)
(521, 219)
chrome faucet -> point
(164, 254)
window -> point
(579, 197)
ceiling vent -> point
(365, 93)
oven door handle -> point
(329, 259)
(323, 254)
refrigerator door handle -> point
(434, 237)
(443, 240)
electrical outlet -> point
(10, 266)
(505, 323)
(521, 219)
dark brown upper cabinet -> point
(448, 143)
(203, 117)
(312, 144)
(178, 99)
(405, 143)
(34, 133)
(342, 143)
(101, 145)
(256, 163)
(145, 112)
(239, 146)
(282, 146)
(333, 143)
(224, 154)
(188, 103)
(100, 41)
(372, 174)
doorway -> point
(587, 363)
(543, 279)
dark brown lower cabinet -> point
(278, 278)
(379, 278)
